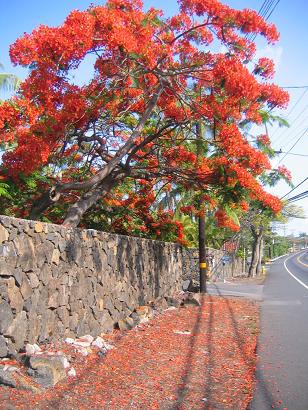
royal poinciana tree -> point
(129, 132)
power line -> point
(296, 142)
(295, 187)
(263, 7)
(298, 197)
(295, 86)
(295, 119)
(265, 11)
(288, 115)
(269, 15)
(289, 138)
(291, 153)
(297, 102)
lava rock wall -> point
(58, 282)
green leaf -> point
(232, 215)
(134, 55)
(4, 190)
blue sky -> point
(290, 55)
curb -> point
(278, 257)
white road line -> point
(293, 276)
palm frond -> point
(9, 82)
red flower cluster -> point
(265, 68)
(247, 181)
(233, 142)
(264, 140)
(284, 172)
(244, 205)
(139, 56)
(248, 21)
(224, 221)
(179, 155)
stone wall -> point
(222, 265)
(58, 282)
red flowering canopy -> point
(154, 79)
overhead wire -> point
(295, 86)
(293, 189)
(296, 142)
(267, 8)
(263, 6)
(287, 129)
(289, 137)
(298, 197)
(269, 15)
(288, 115)
(291, 153)
(266, 11)
(297, 102)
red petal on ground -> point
(156, 368)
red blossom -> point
(136, 53)
(283, 171)
(265, 68)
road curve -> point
(282, 370)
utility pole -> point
(201, 224)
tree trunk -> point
(46, 200)
(202, 255)
(259, 266)
(41, 204)
(78, 209)
(256, 247)
(120, 154)
(201, 224)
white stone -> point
(36, 348)
(86, 338)
(185, 332)
(107, 346)
(69, 340)
(12, 369)
(55, 257)
(4, 234)
(72, 372)
(83, 352)
(30, 349)
(65, 362)
(98, 342)
(81, 344)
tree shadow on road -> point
(209, 363)
(260, 384)
(188, 370)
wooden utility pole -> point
(201, 224)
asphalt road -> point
(245, 290)
(282, 370)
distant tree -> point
(259, 222)
(8, 81)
